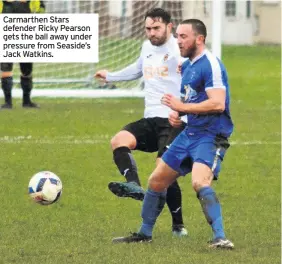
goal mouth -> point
(121, 34)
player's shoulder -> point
(185, 64)
(210, 63)
(172, 41)
(147, 47)
(146, 44)
(172, 44)
(211, 59)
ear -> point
(200, 39)
(170, 25)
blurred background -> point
(71, 137)
(121, 33)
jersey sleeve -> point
(213, 75)
(131, 72)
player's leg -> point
(7, 84)
(153, 203)
(174, 203)
(133, 136)
(207, 158)
(7, 68)
(173, 196)
(122, 144)
(163, 176)
(26, 84)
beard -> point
(158, 41)
(190, 52)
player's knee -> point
(156, 183)
(114, 142)
(198, 184)
(118, 141)
(121, 139)
(202, 176)
(153, 184)
(6, 74)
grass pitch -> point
(71, 138)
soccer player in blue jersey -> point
(205, 100)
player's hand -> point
(174, 119)
(172, 102)
(101, 75)
(179, 67)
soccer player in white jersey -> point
(206, 102)
(157, 63)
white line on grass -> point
(81, 93)
(98, 139)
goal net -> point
(121, 33)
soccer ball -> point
(45, 187)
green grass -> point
(113, 57)
(71, 138)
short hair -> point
(159, 12)
(198, 26)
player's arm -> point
(214, 104)
(131, 72)
(215, 90)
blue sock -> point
(212, 210)
(153, 204)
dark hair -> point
(159, 13)
(198, 26)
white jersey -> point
(157, 65)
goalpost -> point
(121, 33)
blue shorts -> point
(188, 148)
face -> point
(189, 43)
(157, 31)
